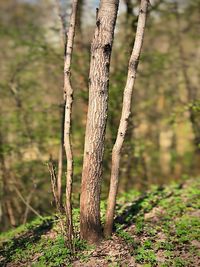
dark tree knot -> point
(107, 66)
(134, 64)
(98, 23)
(107, 49)
(101, 92)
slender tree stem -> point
(126, 110)
(68, 98)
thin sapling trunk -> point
(126, 110)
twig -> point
(55, 195)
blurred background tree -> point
(163, 139)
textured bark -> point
(126, 109)
(101, 47)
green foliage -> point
(145, 255)
(26, 241)
(128, 196)
(179, 262)
(37, 222)
(55, 253)
(139, 225)
(173, 229)
(126, 236)
(187, 228)
(176, 222)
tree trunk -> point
(126, 108)
(101, 47)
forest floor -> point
(158, 228)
